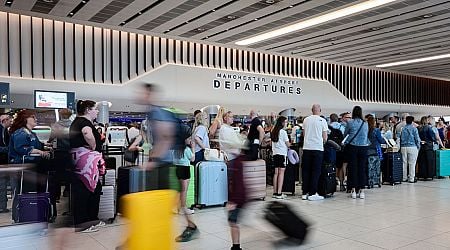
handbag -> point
(130, 156)
(214, 155)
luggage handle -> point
(21, 178)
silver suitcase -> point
(107, 205)
(110, 178)
(255, 179)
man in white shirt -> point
(315, 130)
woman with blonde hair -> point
(200, 137)
(215, 127)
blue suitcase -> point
(212, 183)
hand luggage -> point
(150, 222)
(427, 164)
(110, 178)
(32, 206)
(212, 183)
(255, 179)
(289, 179)
(327, 180)
(282, 216)
(131, 179)
(374, 171)
(107, 206)
(329, 154)
(392, 168)
(442, 163)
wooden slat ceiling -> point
(401, 30)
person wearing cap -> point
(5, 123)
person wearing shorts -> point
(182, 162)
(280, 145)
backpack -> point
(335, 135)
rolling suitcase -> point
(32, 206)
(374, 171)
(442, 163)
(107, 206)
(255, 179)
(392, 168)
(327, 180)
(281, 216)
(150, 224)
(289, 179)
(110, 178)
(212, 183)
(427, 164)
(110, 162)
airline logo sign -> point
(256, 84)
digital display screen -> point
(53, 99)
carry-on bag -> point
(442, 163)
(289, 179)
(31, 206)
(327, 180)
(150, 220)
(392, 168)
(212, 183)
(292, 225)
(374, 171)
(255, 179)
(426, 161)
(107, 206)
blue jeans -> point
(311, 169)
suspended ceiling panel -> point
(401, 30)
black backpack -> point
(335, 135)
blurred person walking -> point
(232, 144)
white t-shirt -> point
(280, 148)
(313, 127)
(202, 133)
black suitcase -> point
(289, 179)
(392, 168)
(427, 164)
(374, 171)
(281, 216)
(327, 180)
(110, 162)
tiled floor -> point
(407, 216)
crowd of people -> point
(361, 138)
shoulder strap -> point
(360, 127)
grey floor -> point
(407, 216)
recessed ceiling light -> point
(316, 20)
(256, 19)
(200, 29)
(213, 10)
(167, 30)
(139, 13)
(270, 1)
(231, 17)
(427, 16)
(375, 28)
(291, 6)
(84, 1)
(71, 14)
(48, 1)
(424, 59)
(333, 39)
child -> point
(182, 161)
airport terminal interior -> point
(236, 124)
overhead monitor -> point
(54, 99)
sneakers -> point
(280, 197)
(315, 197)
(188, 234)
(304, 197)
(91, 229)
(353, 195)
(186, 211)
(100, 224)
(362, 195)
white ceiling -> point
(402, 30)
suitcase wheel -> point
(263, 199)
(379, 185)
(225, 204)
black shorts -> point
(233, 215)
(183, 172)
(279, 161)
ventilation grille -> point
(110, 10)
(43, 7)
(46, 49)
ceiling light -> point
(413, 61)
(48, 1)
(139, 13)
(270, 1)
(316, 20)
(427, 16)
(256, 19)
(375, 28)
(213, 10)
(83, 1)
(200, 29)
(291, 6)
(71, 14)
(231, 17)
